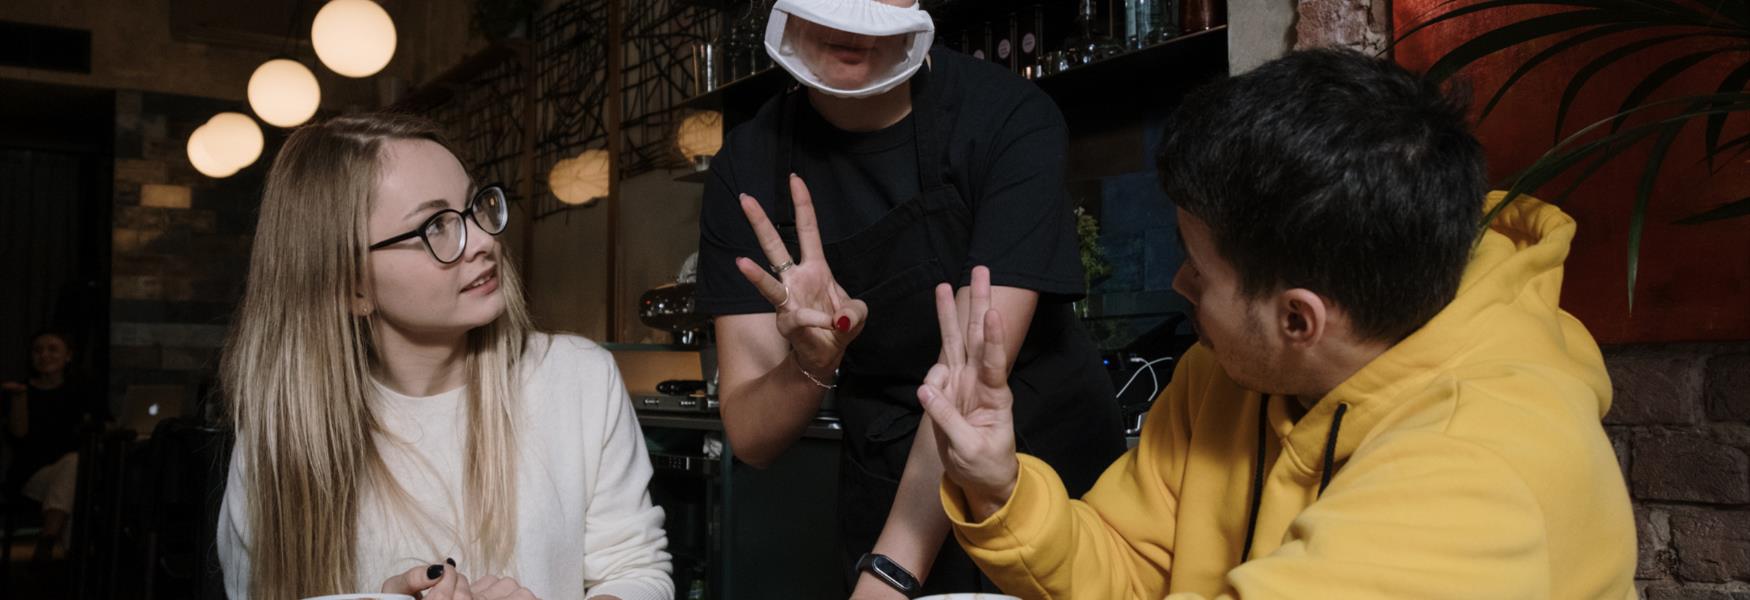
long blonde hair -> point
(297, 371)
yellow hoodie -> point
(1468, 461)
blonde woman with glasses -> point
(399, 423)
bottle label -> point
(978, 54)
(1028, 43)
(1003, 49)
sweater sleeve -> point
(624, 544)
(1118, 542)
(233, 534)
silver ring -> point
(786, 295)
(778, 270)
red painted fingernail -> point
(844, 323)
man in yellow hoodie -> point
(1382, 404)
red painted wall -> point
(1694, 281)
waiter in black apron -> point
(829, 219)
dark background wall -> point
(55, 162)
(180, 246)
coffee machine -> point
(670, 307)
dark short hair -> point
(55, 333)
(1335, 172)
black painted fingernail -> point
(434, 571)
(452, 561)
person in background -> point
(398, 420)
(828, 218)
(1387, 400)
(45, 418)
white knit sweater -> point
(585, 523)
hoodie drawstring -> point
(1331, 449)
(1257, 479)
(1258, 469)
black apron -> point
(1065, 410)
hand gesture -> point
(967, 396)
(814, 313)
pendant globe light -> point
(284, 92)
(700, 137)
(237, 139)
(202, 159)
(355, 38)
(225, 144)
(580, 180)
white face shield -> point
(862, 17)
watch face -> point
(895, 575)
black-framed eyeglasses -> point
(446, 233)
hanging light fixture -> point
(700, 137)
(237, 139)
(202, 159)
(580, 180)
(355, 38)
(284, 92)
(225, 144)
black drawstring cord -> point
(1257, 479)
(1258, 469)
(1331, 449)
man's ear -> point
(1303, 318)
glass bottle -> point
(1087, 45)
(1200, 15)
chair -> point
(178, 486)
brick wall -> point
(1363, 25)
(1681, 426)
(180, 248)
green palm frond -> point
(1730, 210)
(1734, 81)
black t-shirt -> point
(55, 417)
(1005, 155)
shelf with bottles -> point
(1041, 39)
(1178, 62)
(733, 67)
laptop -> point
(145, 405)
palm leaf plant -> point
(1704, 31)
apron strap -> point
(783, 211)
(931, 120)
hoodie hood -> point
(1507, 312)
